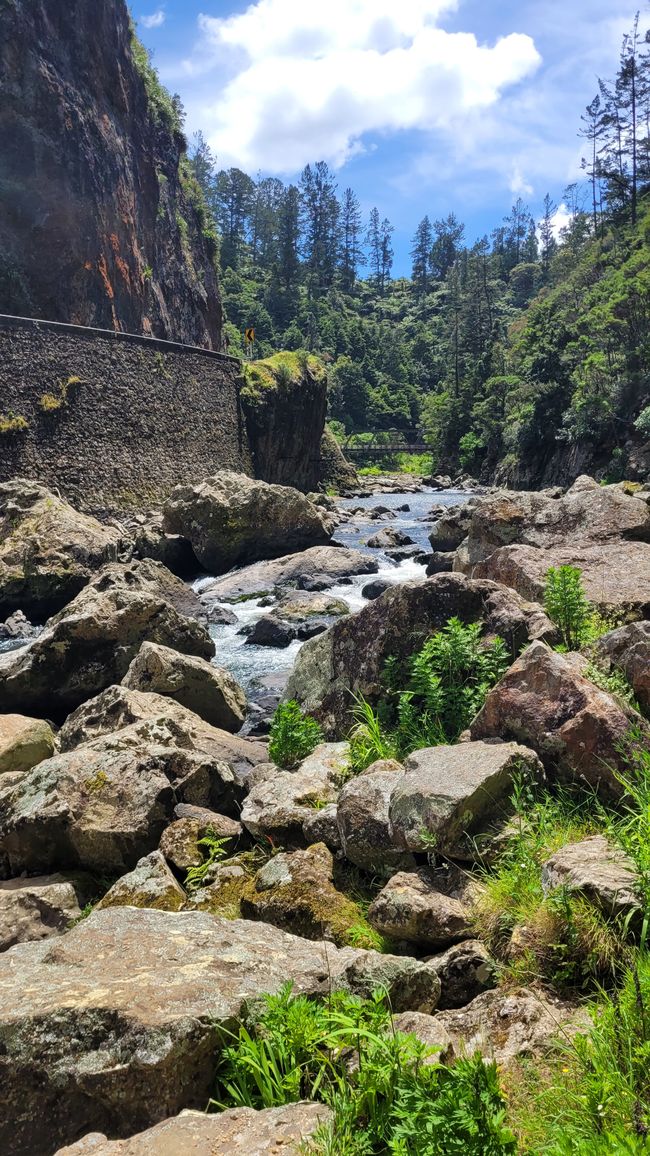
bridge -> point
(376, 444)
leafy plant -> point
(566, 604)
(385, 1098)
(213, 850)
(293, 735)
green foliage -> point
(11, 423)
(614, 682)
(566, 604)
(293, 735)
(387, 1101)
(164, 109)
(642, 423)
(213, 850)
(430, 697)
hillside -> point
(102, 222)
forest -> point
(505, 352)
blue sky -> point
(421, 106)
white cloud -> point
(312, 80)
(155, 20)
(519, 186)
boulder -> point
(372, 590)
(450, 529)
(465, 971)
(24, 742)
(362, 817)
(179, 842)
(409, 908)
(174, 552)
(296, 616)
(40, 907)
(104, 804)
(150, 884)
(578, 730)
(628, 649)
(237, 1132)
(119, 1024)
(440, 562)
(350, 657)
(604, 874)
(450, 794)
(230, 519)
(296, 892)
(321, 826)
(389, 537)
(17, 629)
(48, 550)
(428, 1030)
(91, 643)
(320, 566)
(209, 691)
(281, 801)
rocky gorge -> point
(160, 873)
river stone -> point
(350, 657)
(209, 691)
(320, 564)
(451, 793)
(179, 843)
(230, 519)
(389, 537)
(578, 730)
(452, 527)
(321, 826)
(105, 804)
(278, 805)
(465, 971)
(373, 589)
(362, 817)
(604, 874)
(24, 742)
(440, 562)
(236, 1132)
(296, 892)
(48, 550)
(628, 649)
(119, 1024)
(150, 884)
(90, 644)
(39, 908)
(409, 908)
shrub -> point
(386, 1101)
(566, 604)
(293, 735)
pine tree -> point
(547, 236)
(234, 201)
(352, 256)
(422, 245)
(320, 220)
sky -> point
(421, 106)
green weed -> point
(293, 735)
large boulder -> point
(600, 872)
(209, 691)
(91, 643)
(410, 908)
(237, 1132)
(362, 817)
(231, 518)
(48, 550)
(40, 907)
(297, 616)
(515, 537)
(451, 528)
(296, 891)
(316, 568)
(280, 802)
(149, 884)
(545, 701)
(450, 794)
(628, 649)
(465, 971)
(349, 658)
(24, 742)
(104, 804)
(120, 1023)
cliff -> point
(102, 222)
(284, 399)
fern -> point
(566, 604)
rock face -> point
(48, 551)
(628, 649)
(230, 519)
(116, 1026)
(91, 643)
(105, 804)
(515, 537)
(237, 1132)
(285, 420)
(209, 691)
(100, 224)
(595, 869)
(281, 801)
(351, 655)
(335, 469)
(312, 569)
(410, 908)
(38, 908)
(578, 731)
(451, 793)
(24, 742)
